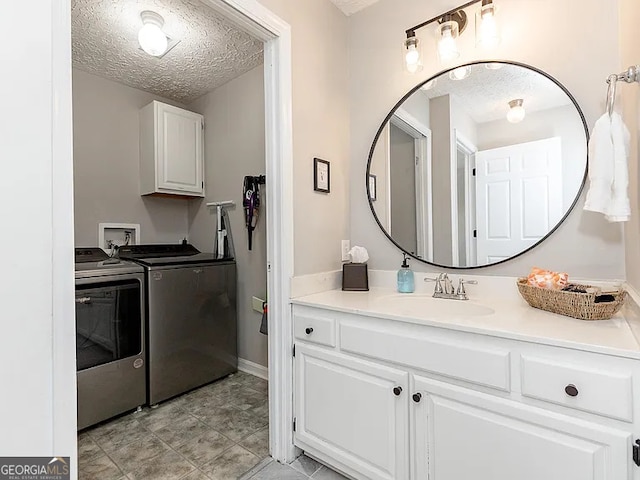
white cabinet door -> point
(348, 415)
(179, 150)
(462, 434)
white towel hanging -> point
(608, 171)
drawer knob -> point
(397, 391)
(571, 390)
(308, 330)
(417, 397)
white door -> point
(518, 197)
(462, 434)
(348, 415)
(179, 150)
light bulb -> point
(412, 60)
(516, 111)
(447, 47)
(460, 73)
(487, 34)
(151, 37)
(413, 56)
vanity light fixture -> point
(448, 32)
(413, 54)
(516, 111)
(451, 25)
(487, 31)
(151, 37)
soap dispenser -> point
(405, 277)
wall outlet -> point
(256, 304)
(346, 246)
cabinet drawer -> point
(315, 330)
(431, 352)
(583, 388)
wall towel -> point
(608, 171)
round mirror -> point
(478, 164)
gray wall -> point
(234, 147)
(403, 189)
(440, 112)
(106, 168)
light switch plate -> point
(346, 246)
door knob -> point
(308, 330)
(397, 391)
(417, 397)
(571, 390)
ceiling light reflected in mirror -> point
(516, 111)
(460, 73)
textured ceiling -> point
(211, 51)
(485, 94)
(350, 7)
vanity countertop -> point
(513, 318)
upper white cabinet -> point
(171, 151)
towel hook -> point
(612, 80)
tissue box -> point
(355, 277)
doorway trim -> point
(257, 20)
(263, 24)
(424, 201)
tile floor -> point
(218, 432)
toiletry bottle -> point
(405, 277)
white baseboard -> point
(253, 368)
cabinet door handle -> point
(397, 391)
(571, 390)
(417, 397)
(308, 330)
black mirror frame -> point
(411, 92)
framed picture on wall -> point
(373, 188)
(321, 176)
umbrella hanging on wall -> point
(251, 203)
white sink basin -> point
(426, 305)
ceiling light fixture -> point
(516, 111)
(451, 25)
(151, 37)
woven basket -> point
(571, 304)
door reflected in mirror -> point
(463, 180)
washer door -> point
(108, 322)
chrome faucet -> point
(444, 287)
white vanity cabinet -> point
(171, 151)
(460, 433)
(380, 398)
(353, 410)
